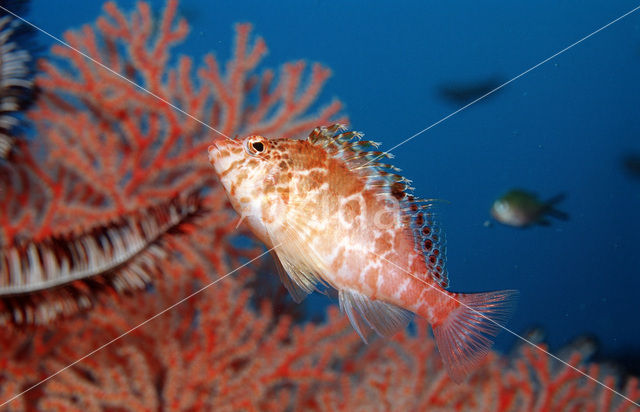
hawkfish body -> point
(334, 214)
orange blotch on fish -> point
(339, 260)
(342, 182)
(371, 279)
(315, 180)
(351, 210)
(383, 243)
(283, 192)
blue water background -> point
(562, 128)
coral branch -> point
(108, 150)
(214, 352)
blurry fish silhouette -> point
(465, 92)
(631, 164)
(336, 215)
(520, 208)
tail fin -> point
(552, 211)
(558, 214)
(556, 199)
(465, 336)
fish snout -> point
(222, 153)
(213, 151)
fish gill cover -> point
(110, 158)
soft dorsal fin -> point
(429, 239)
(382, 317)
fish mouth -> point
(213, 150)
(219, 152)
(221, 147)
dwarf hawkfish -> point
(336, 214)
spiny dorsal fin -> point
(359, 155)
(324, 135)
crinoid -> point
(61, 275)
(16, 72)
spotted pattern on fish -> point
(337, 214)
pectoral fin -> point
(298, 266)
(298, 292)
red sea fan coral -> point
(98, 137)
(210, 353)
(112, 147)
(213, 352)
(107, 149)
(408, 375)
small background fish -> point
(463, 92)
(521, 208)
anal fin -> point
(384, 318)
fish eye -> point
(255, 145)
